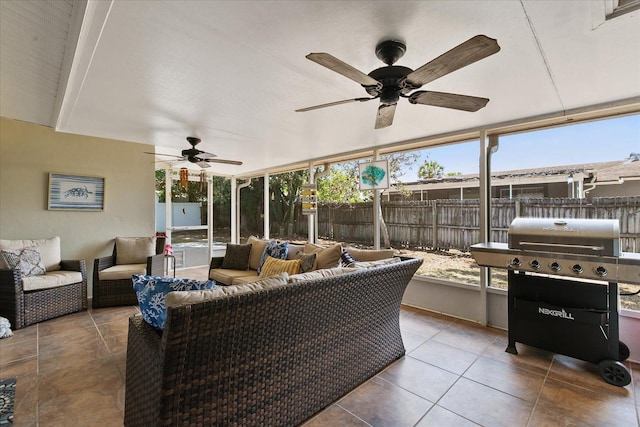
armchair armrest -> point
(74, 265)
(12, 296)
(216, 262)
(100, 264)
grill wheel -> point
(614, 372)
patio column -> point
(210, 215)
(236, 218)
(266, 205)
(486, 150)
(234, 225)
(311, 218)
(376, 209)
(168, 181)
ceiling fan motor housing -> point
(393, 79)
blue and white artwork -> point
(72, 192)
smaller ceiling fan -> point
(391, 82)
(199, 157)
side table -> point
(166, 264)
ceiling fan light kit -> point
(390, 83)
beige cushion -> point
(52, 279)
(293, 250)
(49, 251)
(373, 264)
(257, 248)
(119, 272)
(245, 279)
(369, 254)
(192, 297)
(134, 250)
(319, 274)
(228, 277)
(327, 257)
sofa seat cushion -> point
(152, 291)
(119, 272)
(193, 297)
(49, 250)
(52, 279)
(134, 250)
(228, 277)
(369, 254)
(245, 279)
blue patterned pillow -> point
(151, 292)
(275, 250)
(346, 259)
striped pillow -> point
(276, 266)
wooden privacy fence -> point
(454, 224)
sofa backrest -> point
(279, 344)
(49, 249)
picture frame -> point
(374, 175)
(75, 192)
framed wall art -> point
(74, 192)
(374, 175)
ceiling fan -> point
(392, 82)
(199, 157)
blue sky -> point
(598, 141)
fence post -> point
(434, 225)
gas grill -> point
(563, 279)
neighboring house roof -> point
(609, 172)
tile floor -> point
(71, 373)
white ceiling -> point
(233, 72)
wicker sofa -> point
(271, 357)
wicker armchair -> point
(112, 291)
(46, 300)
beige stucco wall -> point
(28, 153)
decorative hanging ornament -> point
(184, 178)
(203, 179)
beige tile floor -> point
(71, 373)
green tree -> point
(430, 169)
(340, 185)
(285, 189)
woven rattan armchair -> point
(271, 357)
(24, 307)
(113, 292)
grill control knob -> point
(577, 268)
(516, 262)
(555, 266)
(601, 271)
(535, 264)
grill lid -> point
(571, 235)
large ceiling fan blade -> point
(203, 164)
(205, 155)
(340, 67)
(448, 100)
(226, 162)
(168, 155)
(331, 104)
(385, 115)
(474, 49)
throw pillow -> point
(27, 260)
(306, 261)
(327, 257)
(275, 250)
(134, 250)
(151, 292)
(257, 249)
(346, 259)
(294, 250)
(273, 266)
(237, 257)
(373, 264)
